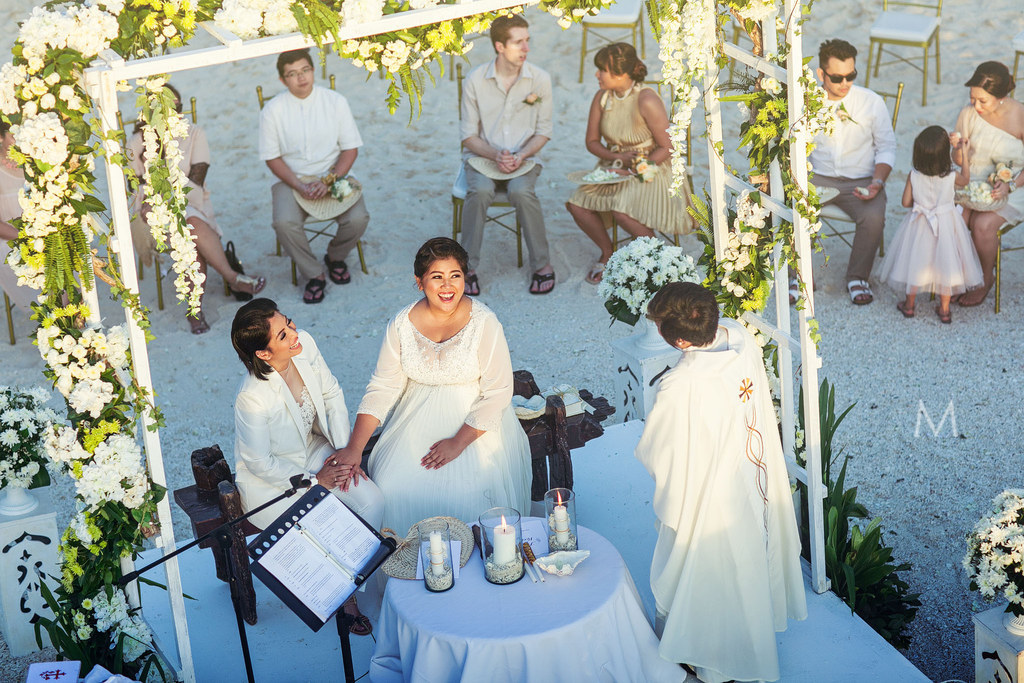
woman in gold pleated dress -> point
(632, 121)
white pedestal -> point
(28, 549)
(998, 654)
(638, 366)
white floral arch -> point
(50, 101)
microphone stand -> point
(223, 536)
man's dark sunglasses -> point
(839, 78)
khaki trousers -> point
(521, 194)
(288, 219)
(869, 217)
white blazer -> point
(270, 446)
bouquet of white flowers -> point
(24, 421)
(995, 551)
(978, 196)
(636, 272)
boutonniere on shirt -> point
(842, 114)
(532, 99)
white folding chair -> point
(1018, 52)
(624, 14)
(907, 29)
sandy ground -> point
(928, 489)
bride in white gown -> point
(452, 444)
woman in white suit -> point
(291, 418)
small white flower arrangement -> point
(995, 552)
(24, 422)
(645, 170)
(1003, 173)
(636, 272)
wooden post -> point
(231, 506)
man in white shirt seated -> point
(856, 160)
(506, 118)
(308, 132)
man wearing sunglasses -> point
(855, 160)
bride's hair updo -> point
(994, 78)
(438, 248)
(619, 59)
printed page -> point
(313, 577)
(341, 532)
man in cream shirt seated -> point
(506, 119)
(856, 160)
(307, 132)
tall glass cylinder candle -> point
(502, 545)
(436, 555)
(560, 506)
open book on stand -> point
(317, 554)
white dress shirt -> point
(308, 134)
(863, 138)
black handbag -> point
(236, 265)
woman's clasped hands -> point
(341, 470)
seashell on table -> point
(562, 563)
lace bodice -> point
(476, 354)
(307, 410)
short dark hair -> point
(250, 332)
(685, 311)
(290, 57)
(932, 152)
(619, 59)
(438, 248)
(502, 27)
(994, 78)
(836, 48)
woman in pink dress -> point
(195, 163)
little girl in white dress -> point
(932, 250)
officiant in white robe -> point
(726, 568)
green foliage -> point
(859, 564)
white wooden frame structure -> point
(722, 181)
(101, 80)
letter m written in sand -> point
(923, 412)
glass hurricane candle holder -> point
(502, 545)
(560, 509)
(436, 553)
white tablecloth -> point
(589, 627)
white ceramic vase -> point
(15, 500)
(649, 337)
(1014, 625)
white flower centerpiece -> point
(995, 556)
(24, 422)
(636, 272)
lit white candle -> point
(504, 543)
(436, 553)
(561, 522)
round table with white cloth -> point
(590, 626)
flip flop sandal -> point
(314, 293)
(860, 292)
(596, 273)
(472, 286)
(248, 285)
(907, 311)
(338, 271)
(540, 279)
(199, 324)
(944, 318)
(361, 625)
